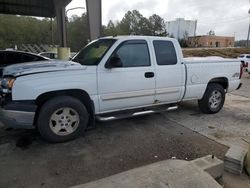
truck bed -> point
(200, 70)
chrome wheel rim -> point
(215, 99)
(64, 121)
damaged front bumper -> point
(18, 115)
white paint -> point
(127, 88)
(180, 27)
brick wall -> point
(211, 41)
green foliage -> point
(157, 26)
(241, 43)
(22, 29)
(18, 30)
(134, 23)
(77, 32)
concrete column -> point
(61, 20)
(63, 53)
(94, 12)
(61, 25)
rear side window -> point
(12, 58)
(165, 52)
(2, 58)
(28, 58)
(248, 56)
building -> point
(181, 28)
(210, 41)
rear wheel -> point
(213, 99)
(62, 119)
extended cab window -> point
(93, 53)
(133, 53)
(165, 52)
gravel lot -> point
(116, 146)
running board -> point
(124, 115)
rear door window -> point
(12, 58)
(28, 58)
(2, 58)
(165, 52)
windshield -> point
(93, 53)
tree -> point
(133, 23)
(211, 33)
(77, 32)
(184, 41)
(29, 30)
(157, 26)
(110, 29)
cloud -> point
(226, 17)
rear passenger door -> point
(170, 72)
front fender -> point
(29, 87)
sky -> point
(225, 17)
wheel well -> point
(220, 80)
(77, 93)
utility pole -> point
(248, 31)
(52, 31)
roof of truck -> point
(138, 37)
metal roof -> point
(39, 8)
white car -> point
(245, 59)
(113, 77)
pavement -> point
(229, 127)
(164, 174)
(117, 146)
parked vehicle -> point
(112, 78)
(247, 67)
(51, 55)
(54, 55)
(9, 57)
(245, 59)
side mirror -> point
(113, 63)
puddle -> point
(24, 141)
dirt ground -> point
(116, 146)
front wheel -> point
(213, 99)
(62, 119)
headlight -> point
(7, 84)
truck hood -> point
(40, 67)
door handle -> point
(149, 74)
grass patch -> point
(225, 52)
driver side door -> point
(132, 83)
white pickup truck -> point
(111, 78)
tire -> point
(213, 99)
(62, 119)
